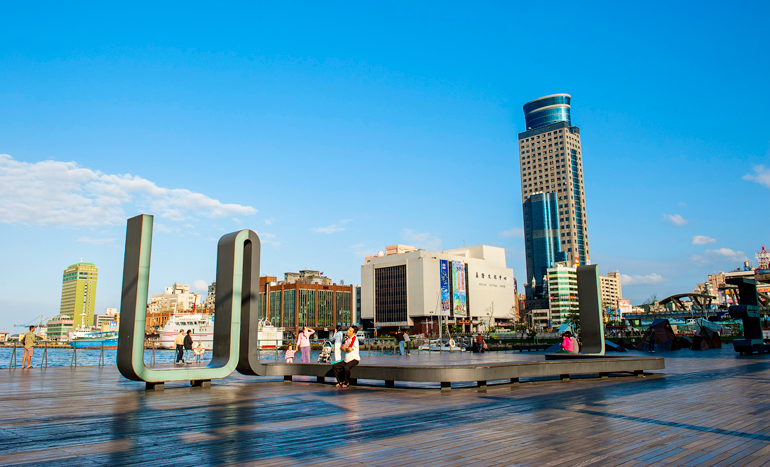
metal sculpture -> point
(748, 311)
(235, 323)
(591, 322)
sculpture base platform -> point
(480, 368)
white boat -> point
(202, 326)
(438, 346)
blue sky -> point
(334, 130)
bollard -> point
(44, 361)
(13, 357)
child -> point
(290, 354)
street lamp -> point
(431, 323)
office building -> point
(551, 165)
(610, 289)
(78, 293)
(470, 286)
(306, 300)
(58, 328)
(542, 242)
(562, 292)
(396, 249)
(108, 321)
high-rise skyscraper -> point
(552, 185)
(78, 293)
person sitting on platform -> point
(352, 357)
(566, 343)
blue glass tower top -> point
(547, 110)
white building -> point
(176, 298)
(407, 288)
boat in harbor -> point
(436, 345)
(201, 325)
(94, 339)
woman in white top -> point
(342, 369)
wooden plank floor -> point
(707, 408)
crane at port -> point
(31, 323)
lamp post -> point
(431, 323)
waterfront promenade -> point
(705, 408)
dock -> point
(706, 408)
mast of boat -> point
(440, 310)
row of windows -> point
(282, 306)
(545, 102)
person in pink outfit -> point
(290, 354)
(303, 342)
(566, 343)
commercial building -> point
(551, 165)
(469, 286)
(611, 290)
(542, 242)
(562, 292)
(306, 299)
(78, 293)
(58, 328)
(108, 321)
(176, 298)
(391, 250)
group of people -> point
(403, 340)
(186, 352)
(343, 342)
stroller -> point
(326, 352)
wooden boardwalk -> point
(706, 408)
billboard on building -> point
(458, 288)
(624, 306)
(444, 273)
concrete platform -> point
(451, 368)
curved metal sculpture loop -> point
(235, 319)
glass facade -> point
(576, 186)
(288, 308)
(390, 294)
(541, 112)
(541, 234)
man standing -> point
(400, 340)
(28, 340)
(179, 341)
(188, 342)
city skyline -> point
(330, 147)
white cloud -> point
(761, 175)
(330, 229)
(720, 255)
(649, 279)
(516, 232)
(346, 221)
(269, 238)
(674, 219)
(702, 240)
(425, 240)
(96, 241)
(164, 228)
(200, 285)
(236, 220)
(63, 193)
(269, 221)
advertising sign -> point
(458, 288)
(444, 273)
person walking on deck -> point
(400, 340)
(28, 340)
(337, 339)
(179, 342)
(303, 342)
(188, 342)
(352, 357)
